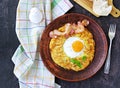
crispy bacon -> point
(80, 27)
(70, 29)
(85, 22)
(52, 35)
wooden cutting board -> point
(88, 6)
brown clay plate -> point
(100, 48)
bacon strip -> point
(70, 29)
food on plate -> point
(72, 46)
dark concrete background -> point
(9, 43)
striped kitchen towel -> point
(29, 68)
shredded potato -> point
(60, 58)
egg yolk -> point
(77, 46)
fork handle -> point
(107, 64)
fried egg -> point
(73, 47)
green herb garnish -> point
(84, 58)
(76, 62)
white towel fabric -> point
(29, 68)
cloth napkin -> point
(29, 68)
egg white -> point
(67, 47)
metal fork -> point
(111, 34)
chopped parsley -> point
(76, 62)
(84, 58)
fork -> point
(111, 34)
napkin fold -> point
(29, 68)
